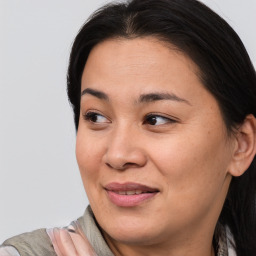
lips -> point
(129, 194)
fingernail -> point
(71, 230)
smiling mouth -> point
(129, 194)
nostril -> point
(115, 166)
(121, 158)
(130, 165)
(122, 167)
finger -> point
(77, 229)
(58, 238)
(67, 245)
(54, 238)
(82, 245)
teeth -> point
(132, 192)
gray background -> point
(39, 179)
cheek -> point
(89, 159)
(89, 155)
(194, 165)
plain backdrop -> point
(40, 183)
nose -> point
(125, 150)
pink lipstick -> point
(129, 194)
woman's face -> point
(152, 146)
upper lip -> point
(129, 186)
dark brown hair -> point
(226, 72)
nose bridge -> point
(123, 134)
(123, 147)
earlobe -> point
(245, 148)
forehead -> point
(140, 65)
(132, 54)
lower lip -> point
(129, 200)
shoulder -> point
(39, 243)
(31, 243)
(8, 251)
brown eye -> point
(157, 120)
(95, 117)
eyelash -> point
(155, 116)
(90, 117)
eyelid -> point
(172, 119)
(90, 113)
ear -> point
(245, 147)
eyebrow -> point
(144, 98)
(95, 93)
(151, 97)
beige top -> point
(38, 243)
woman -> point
(164, 100)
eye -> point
(95, 117)
(154, 119)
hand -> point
(70, 241)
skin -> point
(178, 145)
(186, 154)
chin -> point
(133, 236)
(132, 231)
